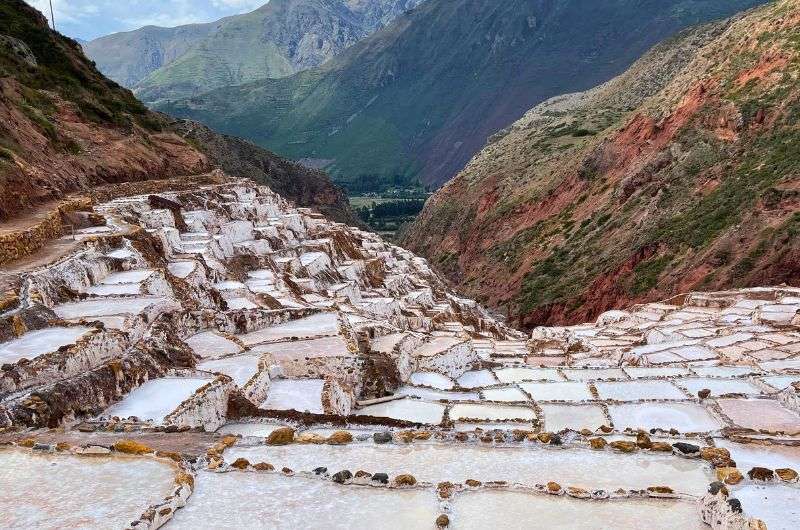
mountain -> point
(278, 39)
(419, 98)
(682, 173)
(64, 128)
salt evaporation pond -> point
(313, 326)
(490, 412)
(760, 414)
(433, 462)
(241, 368)
(777, 506)
(635, 390)
(436, 395)
(577, 417)
(571, 391)
(748, 456)
(407, 410)
(302, 395)
(517, 510)
(685, 417)
(515, 375)
(249, 429)
(105, 307)
(35, 343)
(477, 378)
(156, 398)
(717, 386)
(63, 491)
(431, 379)
(210, 344)
(248, 500)
(509, 393)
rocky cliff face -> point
(417, 99)
(680, 174)
(66, 128)
(278, 39)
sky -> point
(89, 19)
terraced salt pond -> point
(406, 409)
(777, 506)
(433, 462)
(64, 491)
(105, 307)
(155, 399)
(509, 509)
(313, 326)
(238, 500)
(685, 417)
(302, 395)
(240, 367)
(35, 343)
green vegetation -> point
(387, 216)
(646, 274)
(419, 98)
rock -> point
(761, 473)
(786, 474)
(598, 443)
(185, 479)
(281, 436)
(172, 455)
(320, 470)
(735, 505)
(382, 437)
(520, 435)
(686, 449)
(624, 446)
(340, 438)
(729, 475)
(586, 432)
(660, 490)
(472, 483)
(405, 480)
(43, 447)
(461, 437)
(85, 427)
(715, 454)
(287, 471)
(544, 437)
(63, 446)
(663, 447)
(578, 493)
(383, 478)
(363, 437)
(442, 521)
(310, 438)
(362, 474)
(445, 490)
(704, 393)
(264, 466)
(606, 429)
(422, 435)
(406, 436)
(554, 488)
(643, 441)
(717, 487)
(342, 476)
(241, 463)
(132, 447)
(27, 442)
(556, 440)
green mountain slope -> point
(276, 40)
(418, 98)
(682, 174)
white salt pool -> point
(302, 395)
(431, 379)
(134, 276)
(517, 510)
(249, 429)
(717, 386)
(777, 506)
(570, 391)
(577, 417)
(436, 395)
(477, 378)
(594, 374)
(250, 500)
(210, 344)
(779, 382)
(490, 412)
(509, 393)
(156, 398)
(61, 491)
(434, 462)
(105, 307)
(181, 269)
(666, 371)
(748, 456)
(406, 409)
(301, 349)
(35, 343)
(724, 371)
(635, 390)
(685, 417)
(313, 326)
(515, 375)
(240, 367)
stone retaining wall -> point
(207, 408)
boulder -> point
(342, 476)
(263, 466)
(310, 438)
(624, 446)
(405, 480)
(761, 473)
(729, 475)
(132, 447)
(382, 437)
(786, 474)
(663, 447)
(554, 488)
(241, 463)
(383, 478)
(598, 443)
(686, 449)
(281, 436)
(442, 521)
(340, 438)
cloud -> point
(89, 19)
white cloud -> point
(90, 19)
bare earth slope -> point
(680, 174)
